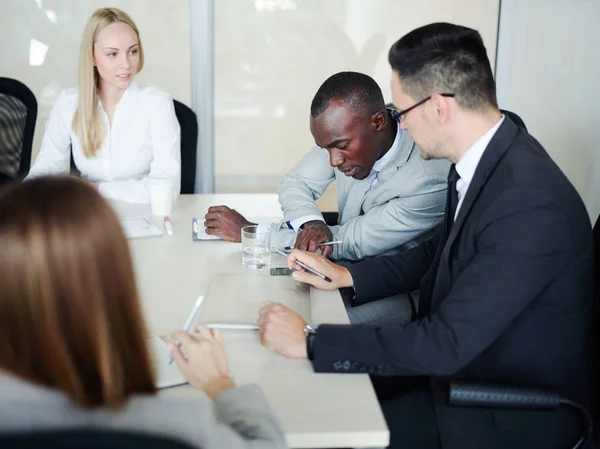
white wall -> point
(271, 56)
(548, 72)
(40, 46)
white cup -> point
(161, 196)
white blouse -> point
(143, 141)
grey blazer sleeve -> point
(240, 418)
(307, 181)
(250, 423)
(418, 207)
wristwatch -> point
(311, 333)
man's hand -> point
(281, 330)
(313, 233)
(225, 223)
(340, 276)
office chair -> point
(189, 142)
(18, 114)
(89, 439)
(475, 394)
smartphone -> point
(281, 271)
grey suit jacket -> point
(238, 418)
(408, 199)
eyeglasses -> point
(397, 115)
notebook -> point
(166, 375)
(139, 227)
(235, 299)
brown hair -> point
(70, 316)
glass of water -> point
(256, 247)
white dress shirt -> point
(143, 141)
(467, 164)
(377, 167)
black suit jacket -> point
(507, 297)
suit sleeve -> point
(416, 209)
(385, 276)
(523, 243)
(306, 183)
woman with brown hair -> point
(73, 351)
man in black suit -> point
(506, 285)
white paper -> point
(199, 231)
(139, 227)
(235, 299)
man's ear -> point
(379, 119)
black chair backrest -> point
(189, 142)
(514, 118)
(18, 114)
(89, 439)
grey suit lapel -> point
(404, 152)
(356, 196)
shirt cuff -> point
(305, 219)
(262, 226)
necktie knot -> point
(453, 175)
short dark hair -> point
(357, 90)
(443, 57)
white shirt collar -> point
(391, 153)
(467, 164)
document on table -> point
(233, 300)
(166, 375)
(139, 227)
(199, 231)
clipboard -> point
(199, 231)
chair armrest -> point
(473, 394)
(476, 394)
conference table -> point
(316, 410)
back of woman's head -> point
(69, 311)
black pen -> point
(334, 242)
(306, 267)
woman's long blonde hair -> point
(70, 317)
(87, 123)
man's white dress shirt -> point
(469, 161)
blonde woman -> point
(119, 131)
(72, 347)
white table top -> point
(316, 410)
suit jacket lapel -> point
(492, 155)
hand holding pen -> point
(206, 367)
(305, 267)
(313, 235)
(340, 276)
